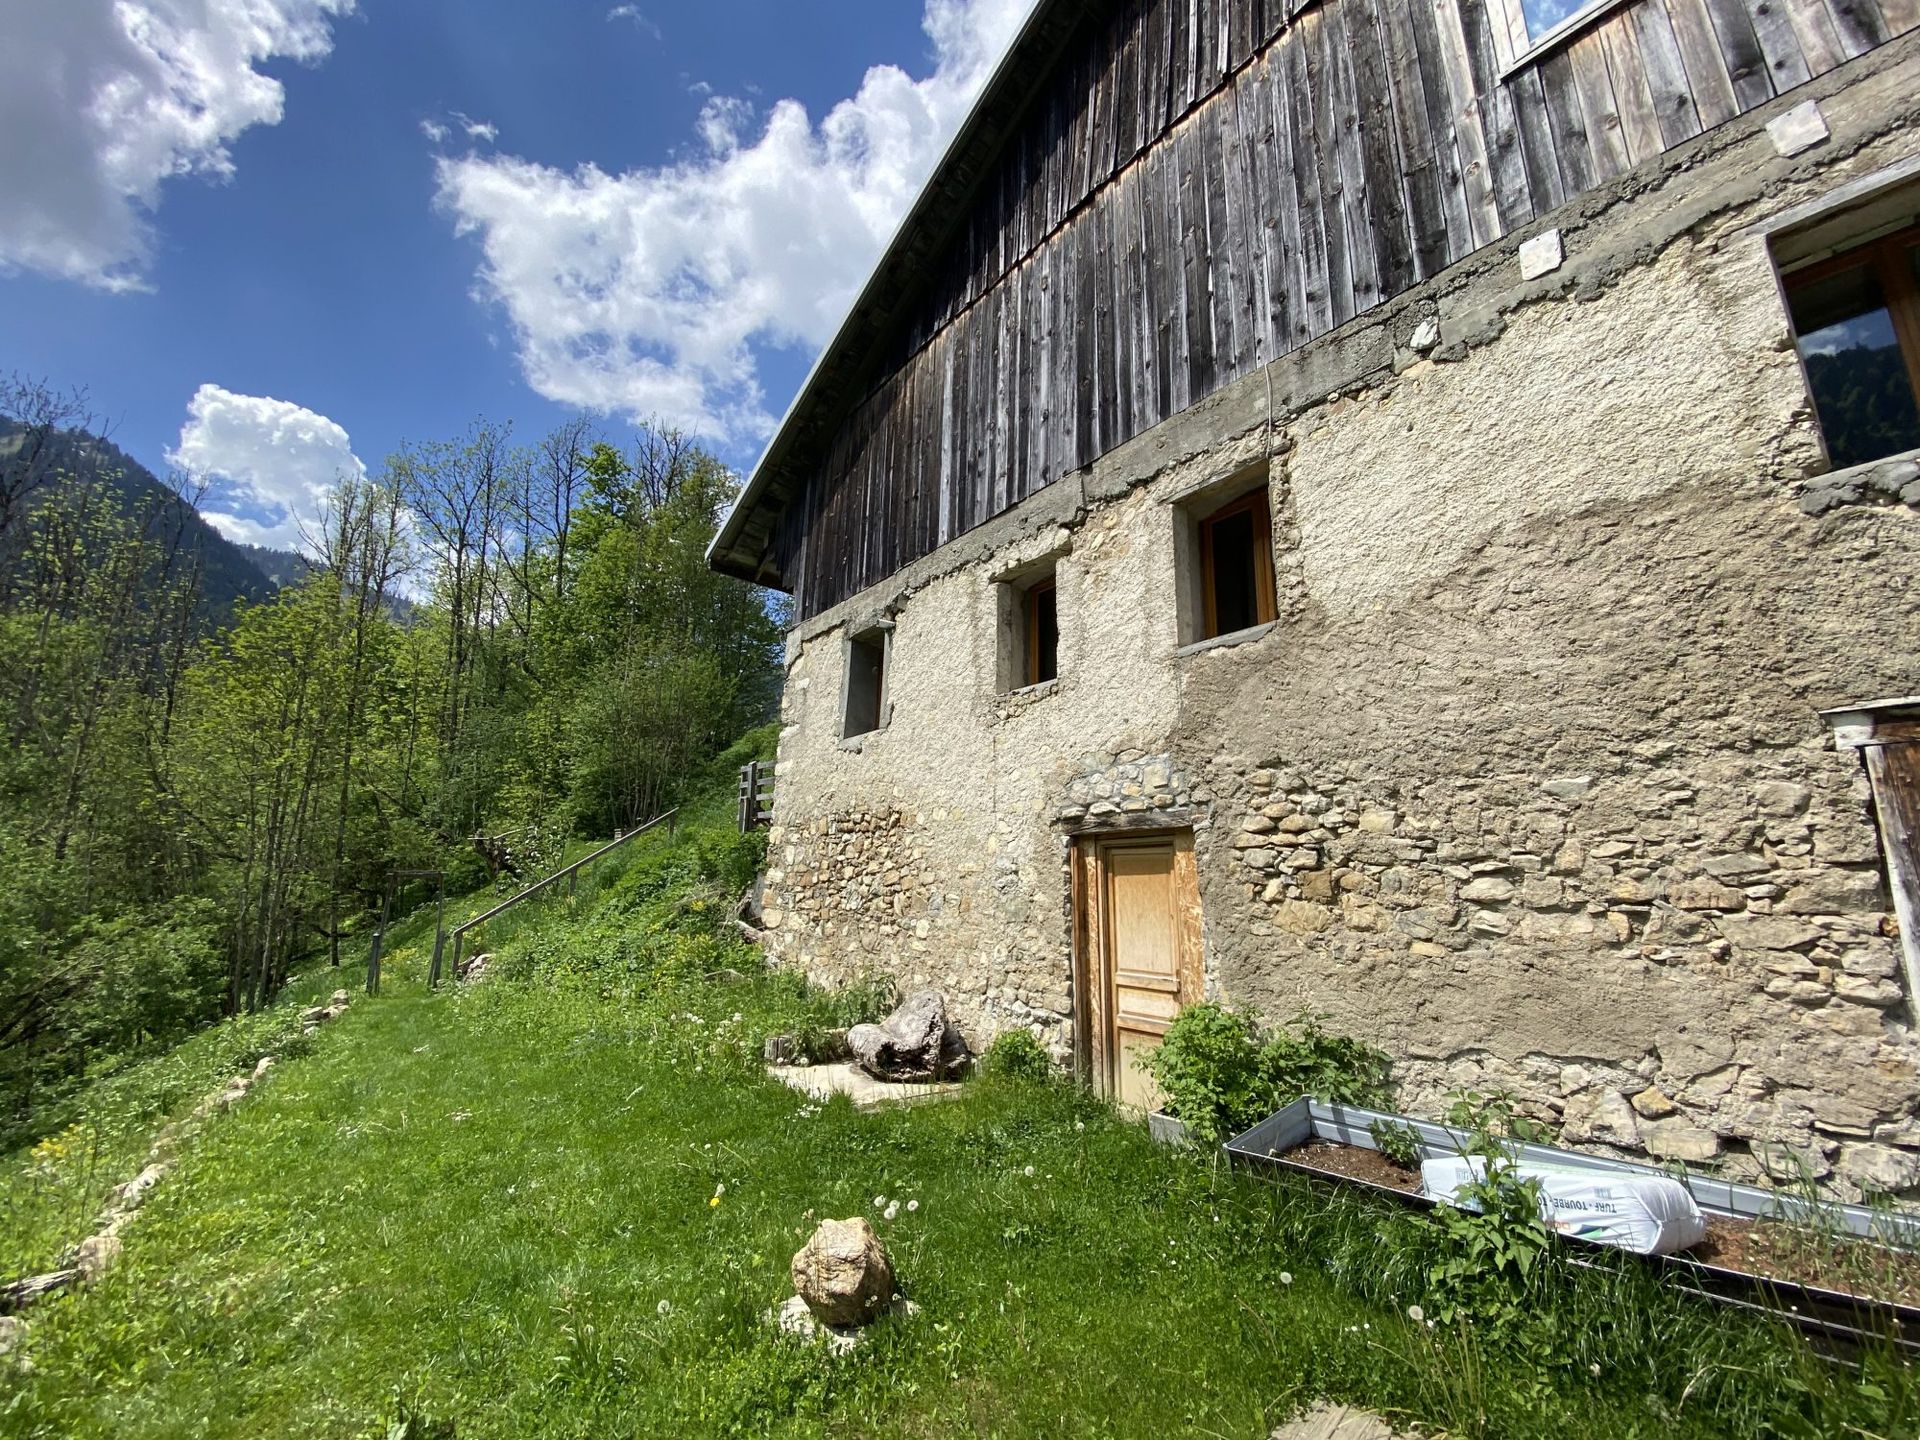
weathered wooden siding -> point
(1211, 184)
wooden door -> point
(1140, 933)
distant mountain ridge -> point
(232, 573)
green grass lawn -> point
(562, 1202)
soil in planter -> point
(1784, 1252)
(1356, 1163)
(1767, 1249)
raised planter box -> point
(1834, 1317)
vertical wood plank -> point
(1595, 87)
(1384, 167)
(1363, 263)
(1899, 16)
(1537, 143)
(1426, 206)
(1859, 25)
(1318, 90)
(1510, 191)
(1571, 142)
(1813, 27)
(1449, 158)
(1773, 28)
(1666, 71)
(1316, 296)
(1639, 124)
(1740, 49)
(1707, 75)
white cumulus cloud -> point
(637, 17)
(647, 293)
(102, 101)
(268, 465)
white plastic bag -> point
(1647, 1214)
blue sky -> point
(270, 236)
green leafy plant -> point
(1491, 1262)
(1017, 1055)
(1399, 1142)
(1219, 1075)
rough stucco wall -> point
(1528, 785)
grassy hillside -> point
(561, 1203)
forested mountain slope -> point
(76, 463)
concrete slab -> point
(823, 1082)
(1335, 1422)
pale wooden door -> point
(1142, 935)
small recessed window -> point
(1043, 632)
(1236, 566)
(865, 709)
(1029, 650)
(1856, 321)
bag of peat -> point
(1647, 1214)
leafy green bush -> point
(1218, 1076)
(1494, 1255)
(1017, 1055)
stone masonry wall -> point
(1528, 783)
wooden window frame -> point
(1886, 736)
(1265, 598)
(1030, 608)
(1507, 20)
(1892, 259)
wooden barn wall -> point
(1210, 186)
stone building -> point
(1404, 509)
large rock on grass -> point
(913, 1043)
(843, 1273)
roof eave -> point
(726, 554)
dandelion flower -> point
(891, 1211)
(1028, 1172)
(665, 1307)
(1416, 1314)
(879, 1202)
(1079, 1125)
(713, 1202)
(912, 1205)
(721, 1188)
(1286, 1277)
(1595, 1369)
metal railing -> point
(571, 874)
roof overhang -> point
(849, 367)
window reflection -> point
(1543, 16)
(1862, 385)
